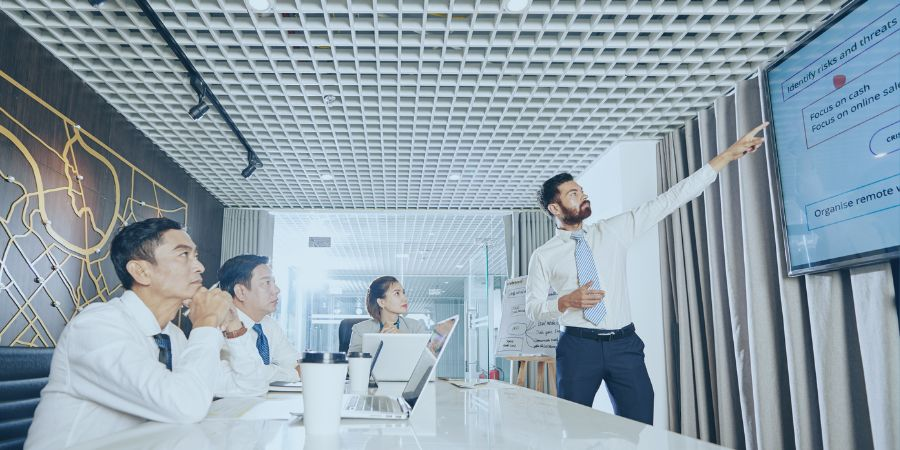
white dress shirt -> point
(105, 375)
(282, 355)
(552, 265)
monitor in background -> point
(834, 104)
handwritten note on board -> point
(518, 335)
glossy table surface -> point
(496, 415)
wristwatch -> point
(236, 333)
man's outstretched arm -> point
(635, 222)
(746, 144)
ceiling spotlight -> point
(454, 177)
(248, 171)
(326, 177)
(329, 99)
(261, 5)
(515, 6)
(199, 110)
(253, 163)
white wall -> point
(623, 178)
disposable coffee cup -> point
(323, 376)
(360, 365)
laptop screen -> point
(431, 354)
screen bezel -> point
(843, 262)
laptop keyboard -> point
(371, 403)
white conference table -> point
(492, 416)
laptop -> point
(395, 363)
(384, 407)
(373, 383)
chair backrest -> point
(345, 330)
(24, 374)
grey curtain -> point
(247, 231)
(756, 359)
(525, 231)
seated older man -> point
(120, 363)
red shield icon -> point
(839, 81)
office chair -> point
(24, 374)
(345, 329)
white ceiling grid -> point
(370, 244)
(426, 91)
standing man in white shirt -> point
(249, 280)
(121, 363)
(598, 342)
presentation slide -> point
(835, 105)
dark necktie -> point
(262, 344)
(165, 349)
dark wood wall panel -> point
(42, 281)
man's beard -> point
(575, 217)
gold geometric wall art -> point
(64, 194)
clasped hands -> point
(213, 308)
(389, 328)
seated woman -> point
(387, 303)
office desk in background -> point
(493, 416)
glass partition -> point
(324, 262)
(487, 273)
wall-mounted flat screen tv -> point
(834, 103)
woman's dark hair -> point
(377, 290)
(138, 241)
(239, 270)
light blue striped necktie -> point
(587, 271)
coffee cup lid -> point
(359, 355)
(324, 358)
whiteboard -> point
(518, 335)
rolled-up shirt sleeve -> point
(537, 287)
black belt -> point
(600, 335)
